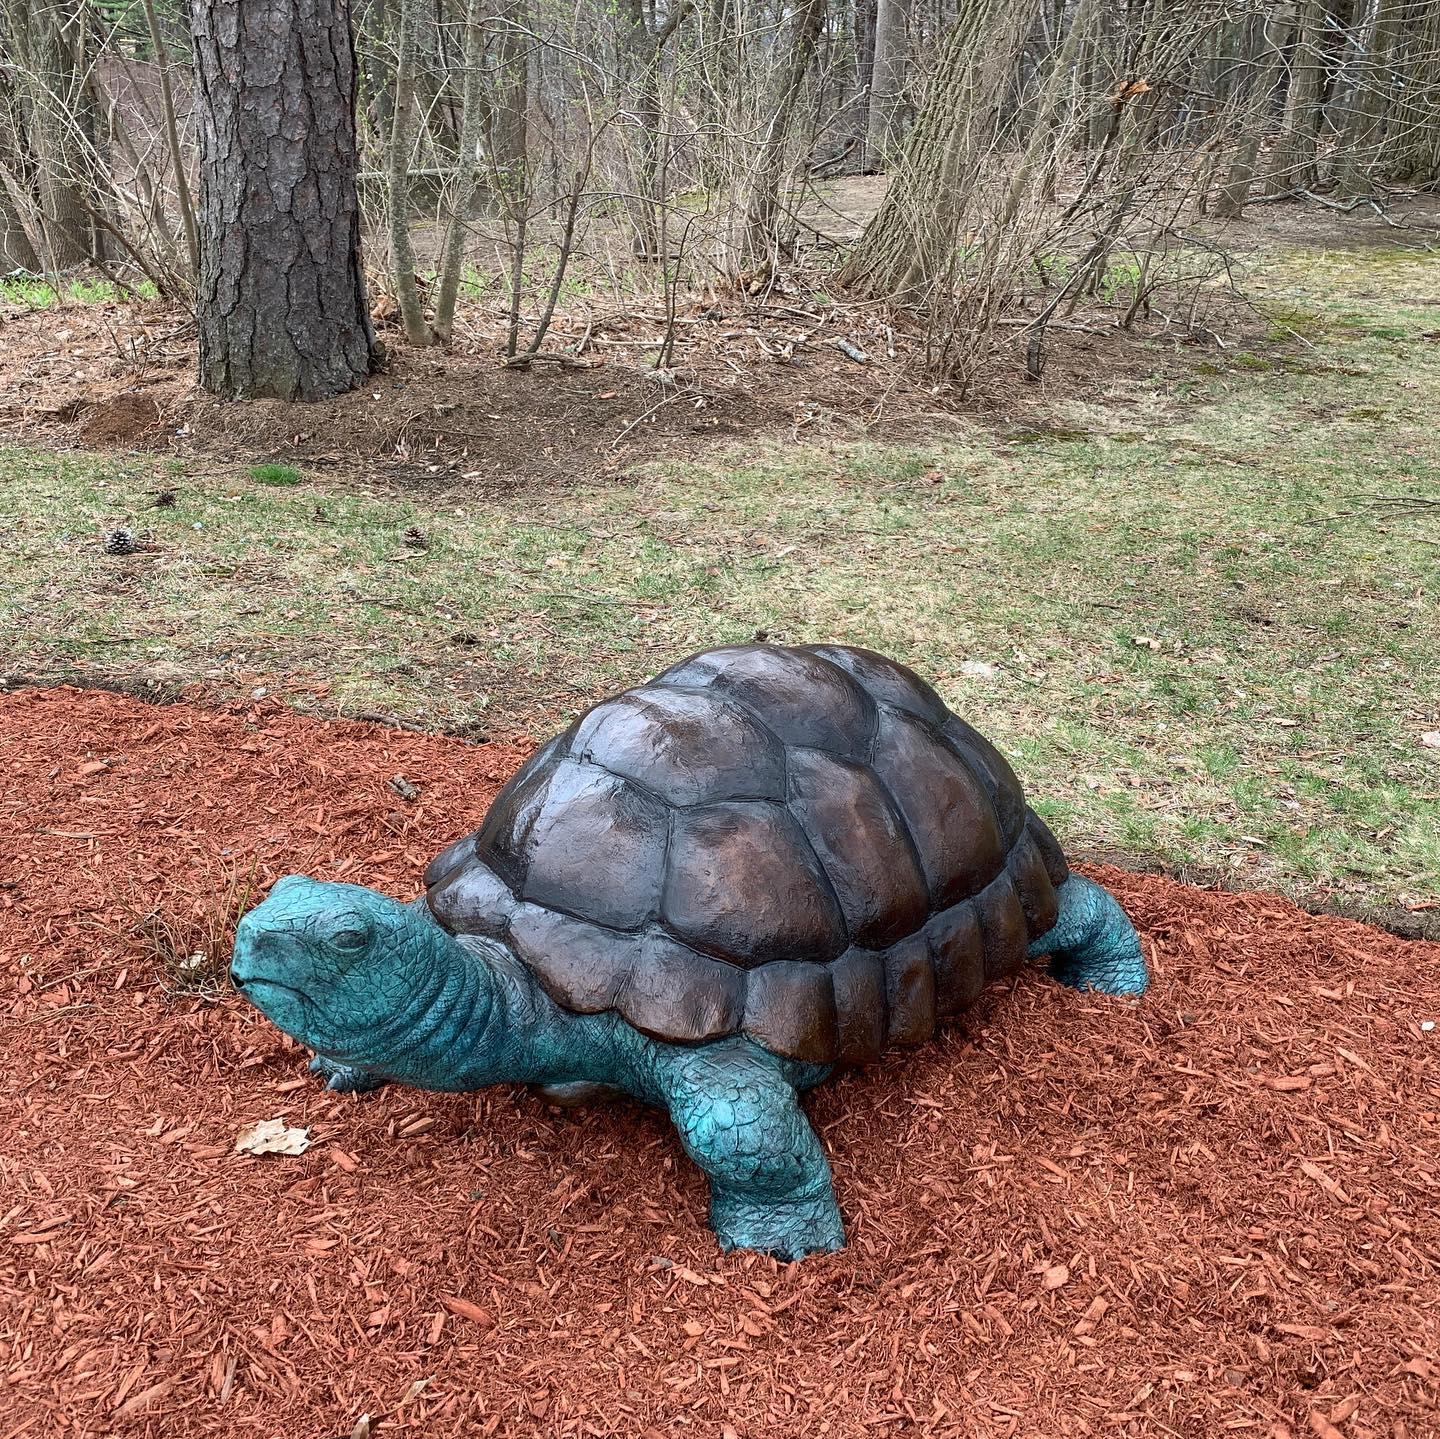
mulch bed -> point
(1212, 1212)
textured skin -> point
(801, 846)
(776, 894)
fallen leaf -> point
(1431, 738)
(978, 668)
(1148, 642)
(270, 1136)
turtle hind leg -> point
(740, 1120)
(1093, 944)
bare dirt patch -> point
(1211, 1211)
(112, 376)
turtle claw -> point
(787, 1229)
(344, 1078)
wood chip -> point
(464, 1309)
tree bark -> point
(887, 82)
(1357, 152)
(911, 240)
(281, 307)
(1412, 138)
(863, 16)
(1295, 155)
(467, 173)
(16, 251)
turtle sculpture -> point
(708, 893)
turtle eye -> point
(350, 940)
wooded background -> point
(1040, 154)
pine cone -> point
(121, 541)
(415, 537)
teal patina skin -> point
(710, 924)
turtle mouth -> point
(255, 987)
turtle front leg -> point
(1093, 944)
(345, 1077)
(740, 1120)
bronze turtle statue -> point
(709, 892)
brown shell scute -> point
(863, 845)
(688, 747)
(744, 885)
(799, 845)
(801, 698)
(584, 841)
(946, 811)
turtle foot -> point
(345, 1077)
(785, 1228)
(1093, 944)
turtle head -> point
(346, 971)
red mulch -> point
(1213, 1212)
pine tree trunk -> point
(281, 307)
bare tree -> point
(281, 306)
(397, 182)
(49, 41)
(887, 82)
(787, 83)
(909, 243)
(1267, 40)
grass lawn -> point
(1202, 619)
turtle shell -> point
(801, 845)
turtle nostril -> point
(238, 980)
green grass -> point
(1213, 628)
(37, 294)
(271, 473)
